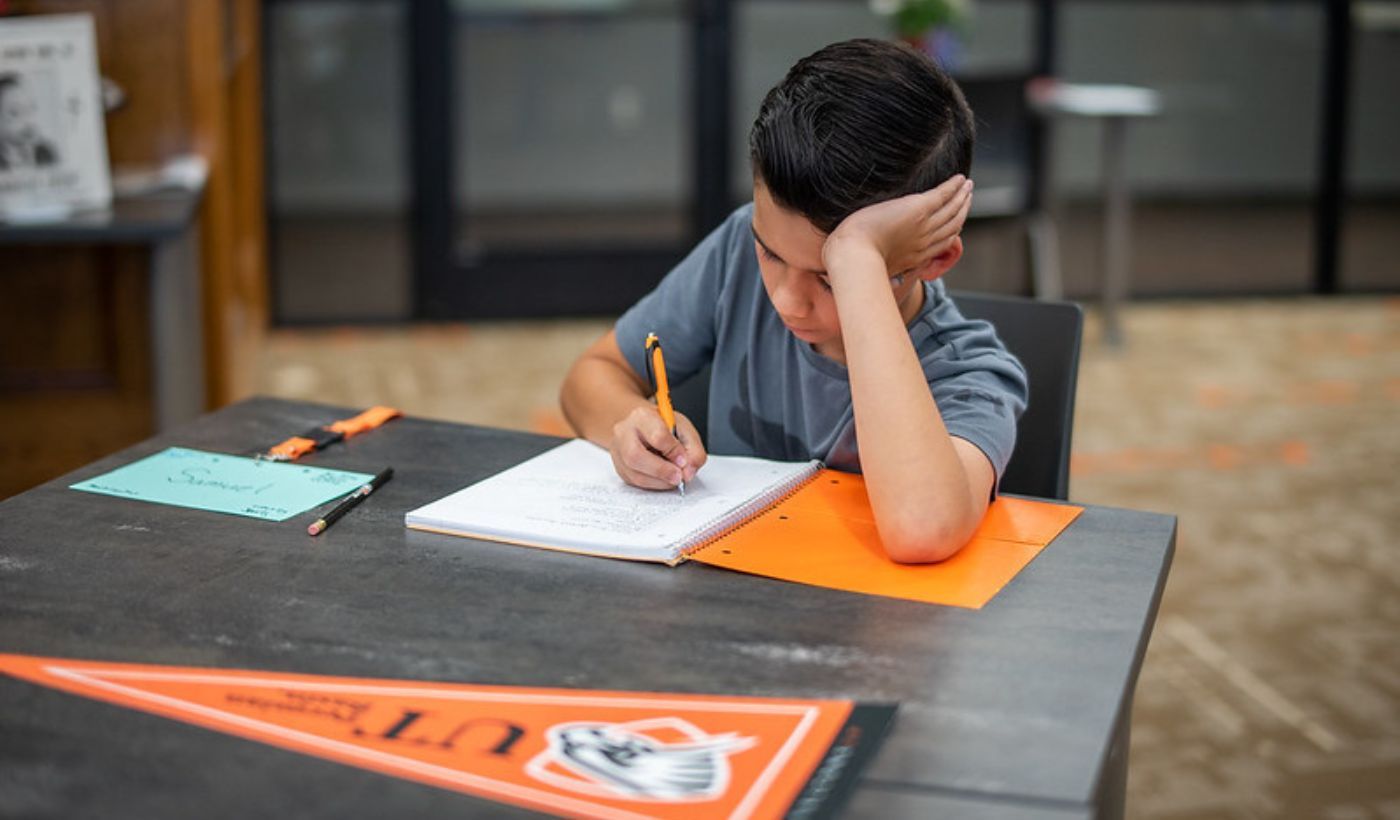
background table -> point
(1115, 106)
(102, 327)
(1017, 710)
(163, 222)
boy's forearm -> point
(918, 486)
(596, 394)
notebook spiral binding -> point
(713, 530)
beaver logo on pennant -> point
(661, 759)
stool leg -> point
(1046, 282)
(1117, 217)
(1042, 231)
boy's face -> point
(789, 249)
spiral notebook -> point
(788, 520)
(570, 498)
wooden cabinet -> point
(83, 321)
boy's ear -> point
(942, 263)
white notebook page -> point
(570, 497)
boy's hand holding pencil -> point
(653, 446)
(647, 455)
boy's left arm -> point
(928, 490)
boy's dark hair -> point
(856, 123)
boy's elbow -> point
(918, 540)
(566, 402)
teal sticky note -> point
(216, 482)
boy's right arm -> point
(608, 404)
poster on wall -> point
(53, 145)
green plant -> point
(915, 18)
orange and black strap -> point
(319, 437)
(292, 449)
(367, 420)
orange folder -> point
(824, 535)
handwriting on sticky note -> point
(216, 482)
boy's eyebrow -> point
(771, 252)
(760, 241)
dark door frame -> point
(498, 283)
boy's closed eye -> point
(768, 254)
(823, 278)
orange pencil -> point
(656, 365)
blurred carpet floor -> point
(1271, 687)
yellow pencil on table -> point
(656, 366)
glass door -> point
(566, 155)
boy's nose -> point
(790, 300)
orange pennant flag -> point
(577, 753)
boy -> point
(818, 307)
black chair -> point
(1045, 336)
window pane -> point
(771, 35)
(338, 177)
(1224, 179)
(572, 124)
(1369, 259)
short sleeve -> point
(683, 309)
(984, 416)
(980, 388)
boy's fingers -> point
(694, 447)
(647, 482)
(952, 227)
(941, 242)
(640, 465)
(949, 221)
(965, 209)
(936, 246)
(644, 451)
(948, 189)
(670, 449)
(638, 478)
(658, 437)
(949, 186)
(949, 208)
(637, 464)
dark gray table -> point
(1018, 710)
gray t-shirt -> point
(772, 395)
